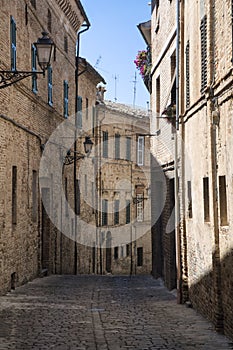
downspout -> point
(86, 27)
(213, 109)
(177, 205)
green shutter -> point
(34, 77)
(13, 43)
(50, 86)
(66, 98)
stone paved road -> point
(101, 312)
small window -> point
(66, 98)
(116, 253)
(105, 144)
(140, 153)
(139, 256)
(116, 212)
(117, 146)
(50, 86)
(80, 116)
(34, 69)
(127, 216)
(13, 43)
(190, 209)
(49, 21)
(104, 212)
(139, 199)
(66, 43)
(128, 148)
(206, 199)
(14, 195)
(223, 201)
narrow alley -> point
(101, 312)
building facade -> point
(30, 111)
(193, 41)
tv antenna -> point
(97, 61)
(134, 88)
(115, 83)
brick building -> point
(122, 162)
(30, 111)
(192, 39)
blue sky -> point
(114, 40)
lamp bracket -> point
(71, 156)
(9, 77)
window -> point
(187, 54)
(203, 29)
(13, 44)
(66, 98)
(116, 212)
(127, 216)
(206, 199)
(34, 77)
(66, 197)
(190, 209)
(66, 43)
(117, 146)
(105, 144)
(34, 196)
(49, 21)
(139, 256)
(140, 153)
(116, 254)
(139, 202)
(157, 101)
(50, 86)
(104, 212)
(14, 195)
(79, 116)
(127, 249)
(223, 200)
(128, 148)
(93, 121)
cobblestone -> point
(102, 312)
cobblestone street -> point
(93, 312)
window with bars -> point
(187, 68)
(140, 151)
(13, 43)
(117, 146)
(105, 144)
(203, 29)
(128, 212)
(50, 86)
(80, 114)
(66, 98)
(128, 148)
(139, 199)
(104, 212)
(116, 212)
(34, 77)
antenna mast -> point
(134, 88)
(115, 88)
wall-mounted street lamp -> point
(73, 156)
(44, 49)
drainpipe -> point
(86, 27)
(177, 204)
(213, 110)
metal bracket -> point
(10, 77)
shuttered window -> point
(13, 43)
(50, 86)
(105, 144)
(34, 77)
(117, 146)
(66, 98)
(187, 56)
(140, 151)
(128, 148)
(79, 115)
(203, 29)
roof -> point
(91, 70)
(127, 109)
(145, 30)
